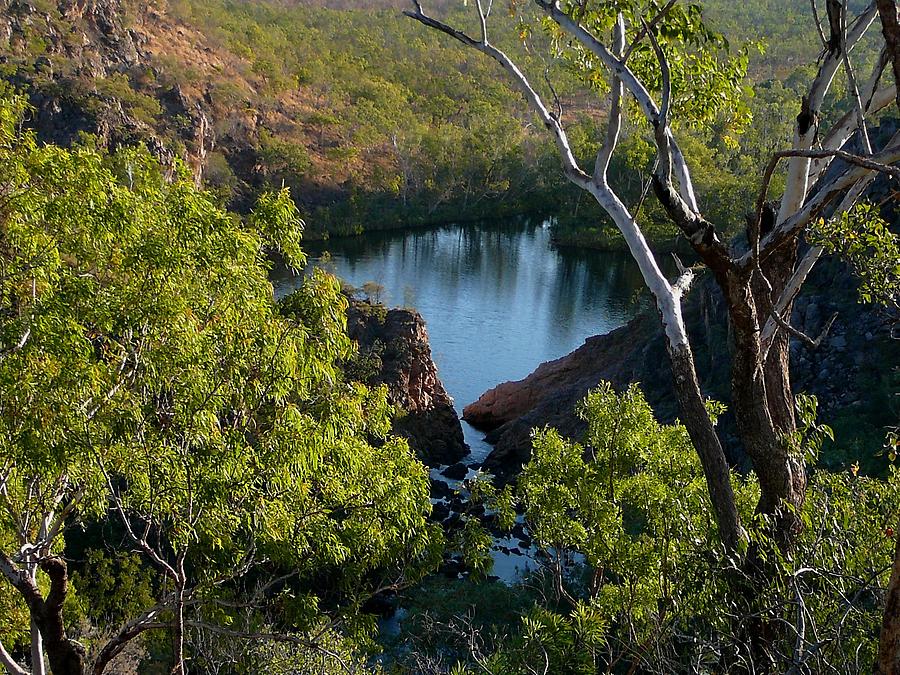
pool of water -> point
(498, 299)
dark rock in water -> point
(453, 567)
(518, 531)
(491, 522)
(636, 353)
(440, 490)
(439, 512)
(457, 471)
(394, 351)
(382, 604)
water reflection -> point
(498, 300)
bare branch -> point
(132, 629)
(890, 28)
(646, 27)
(850, 158)
(880, 162)
(801, 273)
(790, 292)
(666, 73)
(685, 278)
(570, 164)
(853, 88)
(818, 22)
(807, 126)
(873, 100)
(8, 662)
(614, 126)
(812, 342)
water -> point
(498, 300)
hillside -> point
(373, 122)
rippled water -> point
(498, 300)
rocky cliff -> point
(394, 350)
(853, 374)
(85, 67)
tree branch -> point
(812, 342)
(8, 662)
(880, 162)
(570, 165)
(614, 126)
(635, 87)
(890, 28)
(807, 125)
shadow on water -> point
(498, 299)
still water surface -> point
(498, 300)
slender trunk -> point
(764, 414)
(705, 440)
(889, 645)
(178, 622)
(9, 664)
(38, 667)
(890, 28)
(178, 631)
(687, 386)
(65, 656)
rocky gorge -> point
(394, 351)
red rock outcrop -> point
(394, 350)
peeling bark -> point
(890, 28)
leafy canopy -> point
(149, 377)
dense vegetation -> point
(374, 124)
(186, 443)
(192, 481)
(632, 573)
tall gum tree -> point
(760, 280)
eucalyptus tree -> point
(150, 381)
(661, 64)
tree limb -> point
(614, 126)
(890, 28)
(880, 162)
(8, 662)
(570, 164)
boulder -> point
(394, 350)
(456, 471)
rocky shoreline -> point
(850, 374)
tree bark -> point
(889, 644)
(890, 28)
(763, 416)
(703, 435)
(66, 657)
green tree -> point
(149, 379)
(630, 578)
(665, 68)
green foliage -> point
(143, 107)
(655, 592)
(148, 376)
(864, 239)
